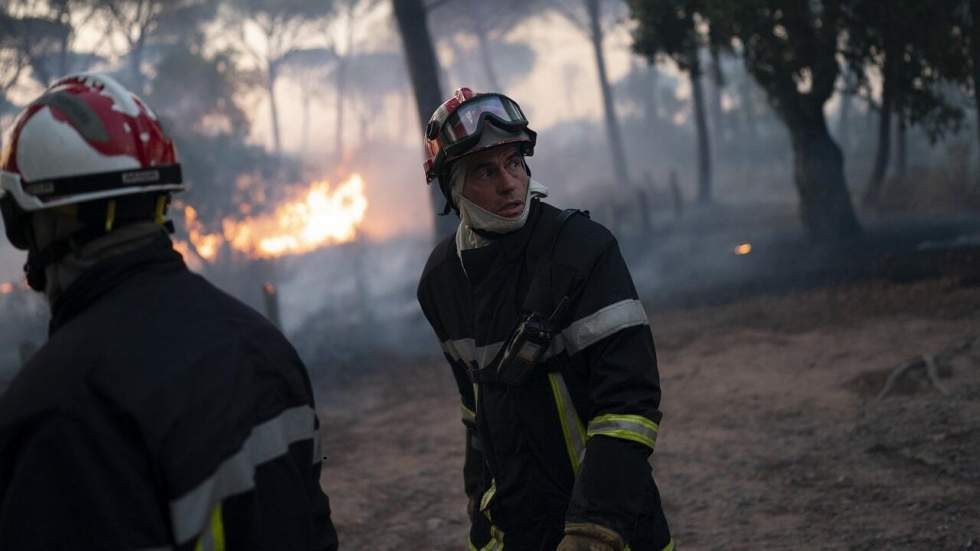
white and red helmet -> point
(87, 138)
(455, 128)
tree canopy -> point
(794, 51)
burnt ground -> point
(772, 438)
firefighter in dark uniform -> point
(549, 345)
(161, 413)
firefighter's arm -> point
(80, 483)
(610, 330)
(473, 459)
(242, 465)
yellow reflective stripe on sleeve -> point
(627, 427)
(469, 416)
(218, 529)
(487, 498)
(213, 538)
(571, 426)
(496, 542)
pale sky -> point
(542, 94)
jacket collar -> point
(110, 274)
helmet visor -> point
(467, 121)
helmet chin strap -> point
(38, 260)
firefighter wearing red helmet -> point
(549, 344)
(161, 413)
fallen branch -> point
(930, 363)
(933, 373)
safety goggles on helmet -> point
(461, 129)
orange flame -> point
(316, 218)
(206, 245)
(743, 249)
(9, 287)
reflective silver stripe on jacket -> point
(627, 427)
(466, 351)
(606, 321)
(579, 335)
(571, 426)
(460, 349)
(191, 512)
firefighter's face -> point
(496, 180)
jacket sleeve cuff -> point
(611, 486)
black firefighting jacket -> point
(161, 414)
(572, 442)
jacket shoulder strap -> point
(546, 283)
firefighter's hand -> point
(585, 536)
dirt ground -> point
(771, 439)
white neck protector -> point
(474, 217)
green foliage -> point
(199, 92)
(793, 48)
(920, 51)
(25, 42)
(667, 28)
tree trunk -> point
(620, 170)
(341, 84)
(342, 79)
(717, 115)
(873, 191)
(975, 8)
(843, 118)
(423, 70)
(483, 44)
(704, 147)
(650, 97)
(64, 46)
(305, 131)
(818, 166)
(270, 84)
(136, 61)
(846, 107)
(747, 107)
(901, 146)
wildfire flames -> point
(8, 287)
(317, 217)
(743, 249)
